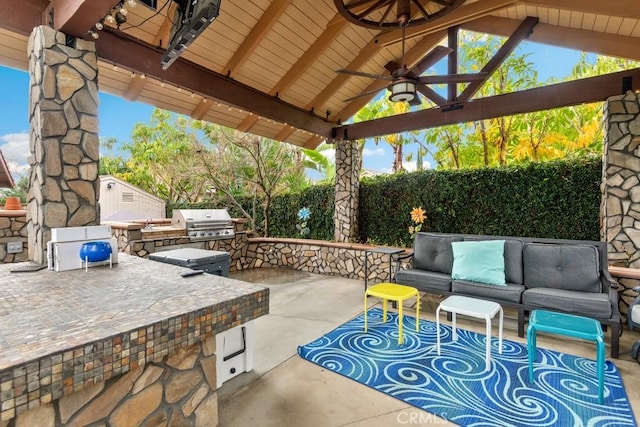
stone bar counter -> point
(128, 345)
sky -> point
(117, 116)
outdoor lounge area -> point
(141, 343)
(284, 389)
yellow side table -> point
(393, 292)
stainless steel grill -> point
(204, 224)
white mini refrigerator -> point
(234, 352)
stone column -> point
(345, 216)
(63, 114)
(620, 207)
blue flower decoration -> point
(304, 214)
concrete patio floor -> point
(285, 390)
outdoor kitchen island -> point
(120, 346)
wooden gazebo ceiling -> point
(269, 67)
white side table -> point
(478, 308)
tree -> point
(161, 157)
(317, 160)
(383, 107)
(239, 166)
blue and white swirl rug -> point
(454, 385)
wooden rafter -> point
(523, 31)
(258, 32)
(135, 55)
(135, 87)
(593, 89)
(201, 109)
(333, 30)
(573, 38)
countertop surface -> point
(45, 312)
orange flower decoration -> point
(417, 215)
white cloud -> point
(15, 149)
(410, 166)
(378, 151)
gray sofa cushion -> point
(433, 252)
(421, 279)
(587, 304)
(513, 271)
(511, 292)
(568, 267)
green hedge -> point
(556, 200)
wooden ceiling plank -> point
(161, 38)
(136, 85)
(583, 91)
(257, 34)
(581, 40)
(77, 17)
(459, 16)
(333, 30)
(523, 31)
(622, 8)
(313, 142)
(141, 58)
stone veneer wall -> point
(345, 214)
(314, 256)
(13, 228)
(177, 390)
(63, 113)
(620, 208)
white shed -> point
(121, 201)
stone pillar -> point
(345, 216)
(63, 114)
(620, 207)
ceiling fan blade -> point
(451, 78)
(361, 74)
(371, 92)
(435, 55)
(431, 95)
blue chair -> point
(633, 321)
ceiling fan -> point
(405, 83)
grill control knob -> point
(202, 233)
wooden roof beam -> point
(583, 91)
(21, 16)
(572, 38)
(142, 58)
(77, 17)
(523, 31)
(258, 32)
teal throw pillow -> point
(479, 261)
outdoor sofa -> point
(569, 276)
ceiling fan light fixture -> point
(402, 91)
